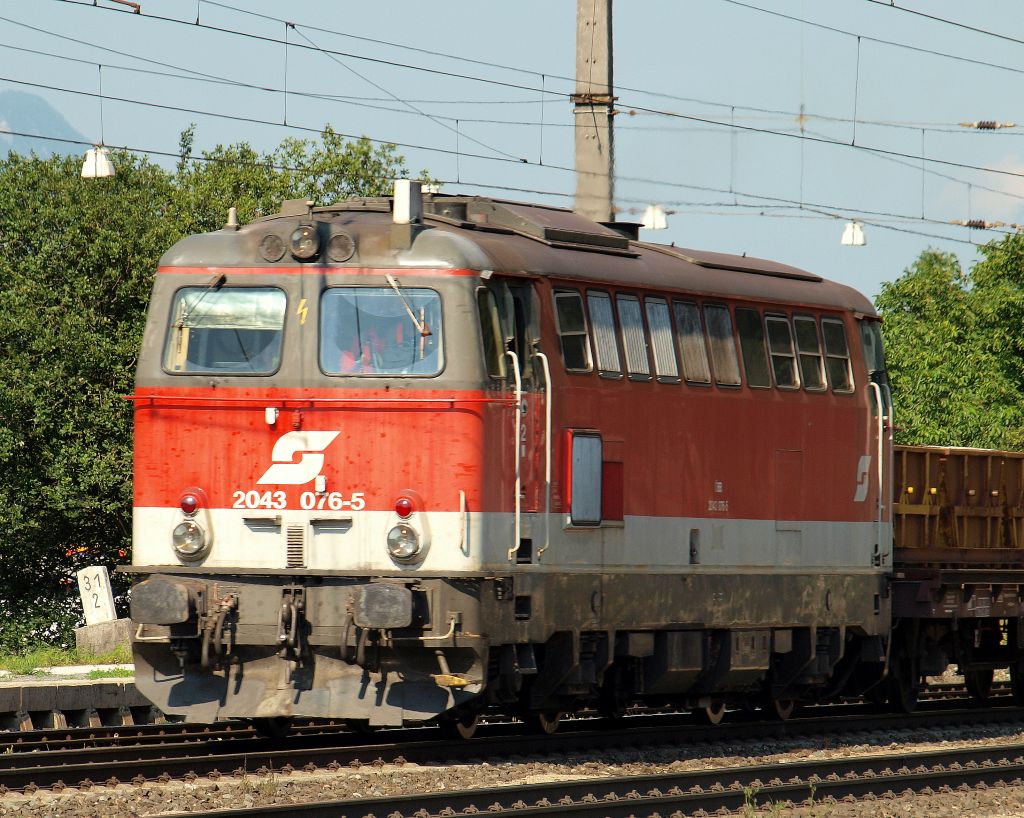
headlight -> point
(403, 543)
(189, 541)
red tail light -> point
(189, 503)
(404, 507)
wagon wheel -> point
(460, 725)
(360, 726)
(903, 679)
(711, 713)
(543, 722)
(978, 684)
(1017, 682)
(612, 702)
(274, 728)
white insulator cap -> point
(408, 207)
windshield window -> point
(369, 331)
(236, 330)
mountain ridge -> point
(22, 113)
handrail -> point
(880, 405)
(463, 523)
(140, 638)
(519, 425)
(889, 440)
(547, 453)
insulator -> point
(988, 125)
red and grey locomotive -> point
(404, 459)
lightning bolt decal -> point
(302, 311)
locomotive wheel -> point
(1017, 682)
(978, 684)
(878, 695)
(274, 728)
(462, 725)
(779, 709)
(710, 714)
(543, 722)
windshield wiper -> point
(213, 286)
(421, 326)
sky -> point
(709, 123)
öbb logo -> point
(287, 471)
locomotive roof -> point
(479, 233)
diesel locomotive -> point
(405, 459)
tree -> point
(77, 259)
(76, 262)
(953, 350)
(324, 171)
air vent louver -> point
(296, 546)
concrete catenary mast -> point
(593, 101)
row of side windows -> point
(788, 352)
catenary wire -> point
(271, 123)
(704, 120)
(448, 151)
(879, 40)
(935, 18)
(653, 111)
(534, 72)
(398, 99)
(544, 91)
(519, 69)
(832, 211)
(191, 75)
(719, 124)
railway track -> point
(789, 783)
(148, 734)
(188, 755)
(69, 738)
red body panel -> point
(219, 441)
(438, 442)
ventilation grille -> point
(296, 539)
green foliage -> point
(324, 172)
(954, 348)
(77, 257)
(76, 263)
(34, 656)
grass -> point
(49, 656)
(108, 674)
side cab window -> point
(723, 347)
(837, 355)
(507, 310)
(602, 322)
(572, 331)
(755, 360)
(491, 333)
